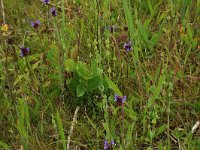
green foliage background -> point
(77, 59)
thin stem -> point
(41, 44)
(123, 138)
(3, 12)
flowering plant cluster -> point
(128, 44)
(35, 24)
(119, 100)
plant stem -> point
(123, 138)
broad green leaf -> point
(96, 71)
(83, 71)
(94, 83)
(80, 90)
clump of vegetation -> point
(100, 74)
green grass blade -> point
(113, 86)
(150, 8)
(157, 91)
(61, 131)
(23, 124)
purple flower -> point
(46, 1)
(119, 99)
(24, 51)
(108, 146)
(35, 24)
(53, 11)
(127, 46)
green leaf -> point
(94, 83)
(96, 71)
(80, 90)
(150, 8)
(55, 77)
(70, 65)
(160, 130)
(156, 91)
(113, 86)
(83, 71)
(143, 33)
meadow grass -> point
(93, 74)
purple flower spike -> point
(46, 1)
(24, 51)
(127, 46)
(119, 99)
(116, 98)
(37, 21)
(53, 11)
(35, 24)
(108, 146)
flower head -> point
(127, 46)
(119, 99)
(24, 51)
(53, 11)
(35, 24)
(4, 27)
(108, 146)
(46, 1)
